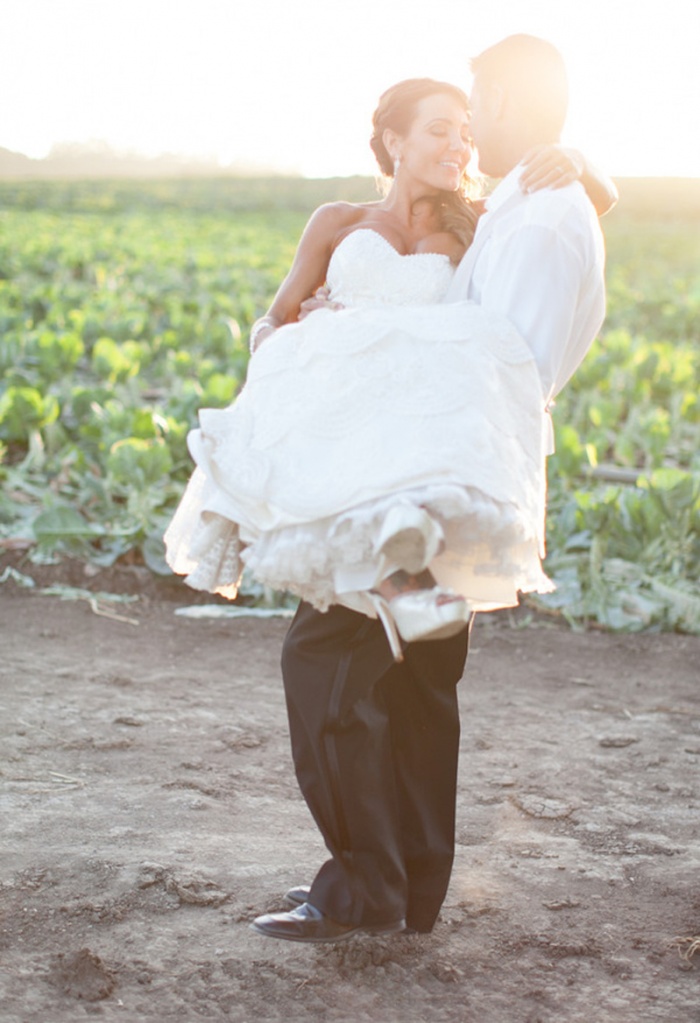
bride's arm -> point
(308, 270)
(555, 166)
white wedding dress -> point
(393, 398)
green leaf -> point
(153, 550)
(23, 409)
(64, 522)
(139, 462)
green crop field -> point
(125, 307)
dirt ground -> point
(150, 811)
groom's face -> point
(482, 125)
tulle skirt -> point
(347, 413)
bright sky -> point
(292, 83)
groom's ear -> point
(497, 100)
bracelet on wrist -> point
(264, 323)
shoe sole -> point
(396, 928)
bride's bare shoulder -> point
(344, 214)
(334, 220)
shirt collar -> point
(506, 188)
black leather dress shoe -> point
(298, 896)
(306, 923)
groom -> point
(375, 743)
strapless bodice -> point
(366, 270)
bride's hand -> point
(319, 300)
(551, 166)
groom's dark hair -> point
(532, 71)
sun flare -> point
(293, 86)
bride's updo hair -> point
(396, 111)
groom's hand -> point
(319, 300)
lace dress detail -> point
(395, 397)
(416, 279)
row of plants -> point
(114, 329)
(624, 509)
(125, 311)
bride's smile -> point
(435, 151)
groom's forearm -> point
(601, 189)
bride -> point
(386, 451)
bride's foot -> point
(413, 608)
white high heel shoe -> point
(409, 538)
(416, 616)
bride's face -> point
(437, 148)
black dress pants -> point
(375, 747)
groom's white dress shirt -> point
(538, 260)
